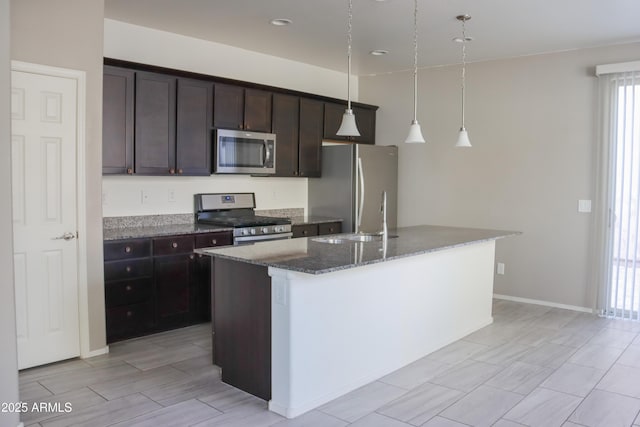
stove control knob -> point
(278, 229)
(253, 231)
(265, 230)
(245, 232)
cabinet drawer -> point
(329, 228)
(126, 292)
(125, 249)
(173, 245)
(128, 269)
(213, 239)
(128, 321)
(306, 230)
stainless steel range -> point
(237, 210)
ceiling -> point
(500, 28)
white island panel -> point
(335, 332)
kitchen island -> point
(300, 322)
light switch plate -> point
(500, 268)
(584, 206)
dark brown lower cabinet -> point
(157, 284)
(242, 325)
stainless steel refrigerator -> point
(354, 177)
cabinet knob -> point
(192, 256)
(305, 232)
(127, 249)
(295, 172)
(172, 171)
(174, 245)
(129, 313)
(130, 171)
(128, 269)
(200, 255)
(214, 241)
(127, 288)
(330, 229)
(180, 171)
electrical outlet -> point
(500, 268)
(105, 198)
(145, 197)
(171, 196)
(584, 206)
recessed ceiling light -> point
(378, 52)
(281, 22)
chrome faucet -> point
(383, 210)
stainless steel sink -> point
(355, 237)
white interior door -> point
(43, 128)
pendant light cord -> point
(464, 64)
(415, 61)
(349, 55)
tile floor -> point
(534, 366)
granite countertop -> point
(158, 231)
(307, 255)
(310, 219)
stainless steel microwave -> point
(239, 151)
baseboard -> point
(545, 303)
(94, 353)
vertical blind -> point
(622, 251)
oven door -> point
(245, 152)
(243, 240)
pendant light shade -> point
(463, 139)
(348, 126)
(463, 136)
(415, 132)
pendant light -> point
(463, 136)
(348, 126)
(415, 133)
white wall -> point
(122, 195)
(532, 123)
(8, 357)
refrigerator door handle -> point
(361, 175)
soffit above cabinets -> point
(317, 34)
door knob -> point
(65, 236)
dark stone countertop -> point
(308, 255)
(158, 231)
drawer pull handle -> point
(129, 313)
(128, 288)
(127, 249)
(128, 269)
(174, 245)
(214, 241)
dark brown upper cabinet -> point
(155, 144)
(193, 127)
(238, 108)
(117, 120)
(228, 107)
(257, 110)
(310, 138)
(173, 125)
(285, 119)
(365, 120)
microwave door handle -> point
(267, 152)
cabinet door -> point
(155, 128)
(332, 120)
(228, 107)
(173, 276)
(286, 112)
(310, 149)
(193, 127)
(257, 110)
(366, 122)
(117, 120)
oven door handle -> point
(249, 239)
(267, 153)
